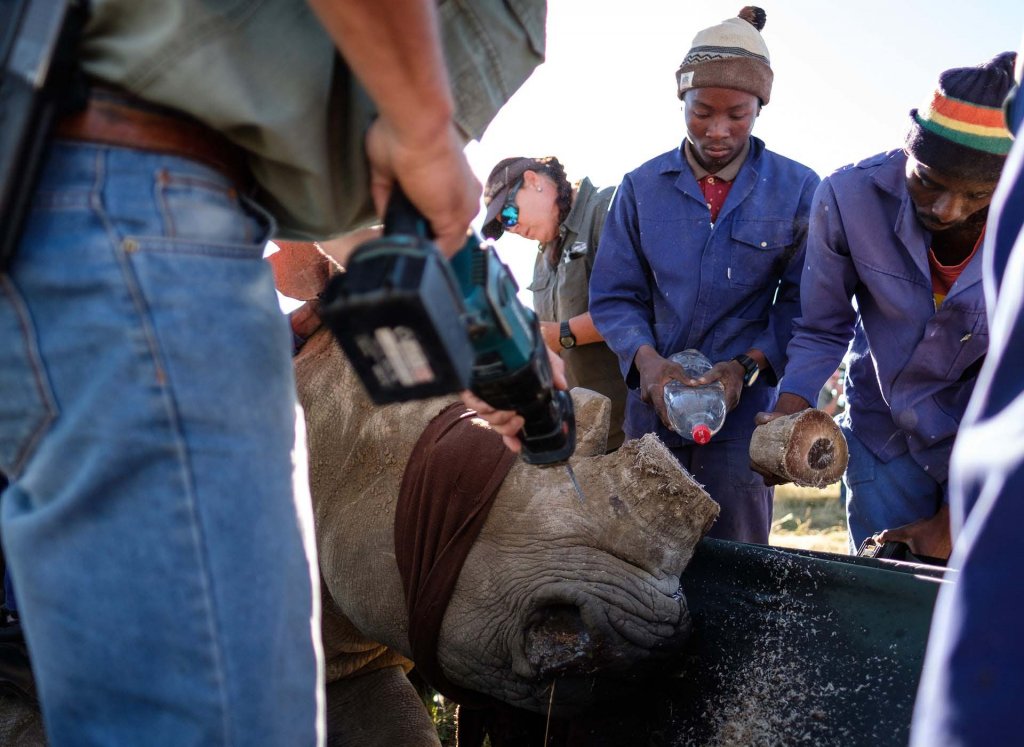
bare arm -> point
(582, 327)
(394, 49)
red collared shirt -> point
(715, 190)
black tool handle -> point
(401, 217)
(549, 431)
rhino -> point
(576, 588)
(566, 600)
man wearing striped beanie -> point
(894, 264)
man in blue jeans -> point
(157, 524)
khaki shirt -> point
(561, 291)
(266, 75)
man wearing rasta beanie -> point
(702, 248)
(973, 672)
(900, 234)
(961, 129)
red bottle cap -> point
(701, 434)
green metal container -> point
(790, 647)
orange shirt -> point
(943, 276)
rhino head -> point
(563, 587)
(582, 589)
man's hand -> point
(788, 404)
(434, 175)
(394, 49)
(730, 373)
(655, 372)
(305, 320)
(301, 269)
(507, 422)
(925, 537)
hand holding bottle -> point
(695, 411)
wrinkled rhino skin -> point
(554, 588)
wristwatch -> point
(750, 369)
(565, 336)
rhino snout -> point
(558, 642)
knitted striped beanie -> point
(961, 131)
(729, 55)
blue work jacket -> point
(912, 367)
(666, 277)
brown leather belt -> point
(112, 117)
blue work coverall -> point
(666, 277)
(973, 675)
(912, 367)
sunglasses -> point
(509, 215)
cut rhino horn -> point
(806, 448)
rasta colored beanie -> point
(729, 55)
(961, 131)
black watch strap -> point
(565, 336)
(750, 369)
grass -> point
(809, 518)
(442, 712)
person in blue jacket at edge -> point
(702, 249)
(970, 692)
(900, 234)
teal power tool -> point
(415, 325)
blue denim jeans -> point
(884, 495)
(723, 468)
(158, 524)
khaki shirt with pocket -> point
(266, 75)
(561, 291)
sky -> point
(846, 76)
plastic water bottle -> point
(695, 412)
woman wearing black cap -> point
(532, 198)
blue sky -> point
(846, 76)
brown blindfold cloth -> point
(448, 487)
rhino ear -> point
(593, 418)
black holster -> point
(38, 83)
